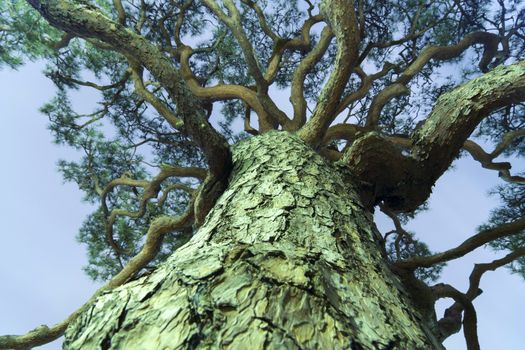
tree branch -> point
(342, 19)
(366, 84)
(487, 162)
(151, 190)
(466, 247)
(305, 66)
(457, 113)
(221, 92)
(301, 42)
(233, 22)
(470, 319)
(489, 40)
(121, 13)
(88, 22)
(453, 313)
(403, 181)
(149, 97)
(96, 86)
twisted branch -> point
(151, 190)
(398, 88)
(469, 320)
(449, 324)
(467, 246)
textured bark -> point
(404, 182)
(287, 259)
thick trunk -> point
(287, 259)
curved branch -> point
(486, 161)
(366, 84)
(148, 96)
(489, 40)
(342, 19)
(121, 13)
(480, 269)
(151, 190)
(171, 188)
(466, 247)
(470, 319)
(220, 92)
(453, 314)
(457, 113)
(262, 19)
(506, 140)
(403, 181)
(71, 80)
(233, 22)
(247, 127)
(87, 21)
(301, 42)
(399, 230)
(346, 132)
(305, 66)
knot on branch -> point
(385, 174)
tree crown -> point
(364, 83)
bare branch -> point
(470, 319)
(120, 11)
(343, 21)
(489, 40)
(487, 162)
(466, 247)
(305, 66)
(453, 313)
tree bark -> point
(287, 259)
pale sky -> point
(40, 260)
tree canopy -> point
(374, 85)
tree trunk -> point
(287, 259)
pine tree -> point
(226, 218)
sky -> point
(41, 262)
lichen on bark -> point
(287, 259)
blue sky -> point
(40, 260)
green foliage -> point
(404, 246)
(24, 34)
(512, 197)
(124, 135)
